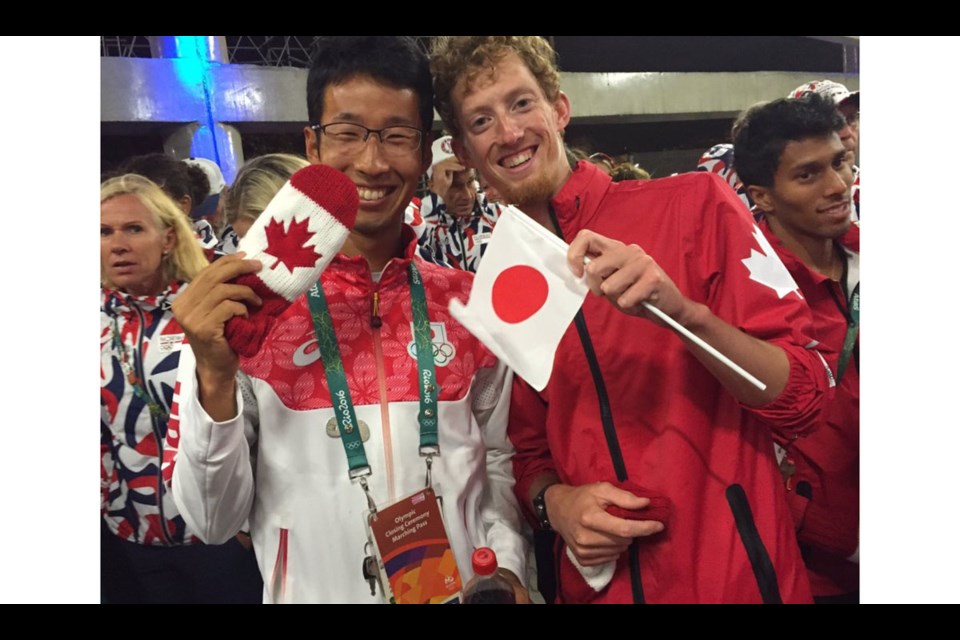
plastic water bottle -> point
(487, 586)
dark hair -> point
(762, 132)
(628, 171)
(396, 61)
(174, 176)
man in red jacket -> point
(794, 164)
(646, 455)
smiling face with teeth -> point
(385, 184)
(512, 133)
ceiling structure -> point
(658, 99)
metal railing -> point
(271, 51)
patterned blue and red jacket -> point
(140, 345)
(450, 240)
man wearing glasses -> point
(370, 103)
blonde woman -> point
(255, 185)
(148, 253)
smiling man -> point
(305, 494)
(634, 416)
(792, 159)
(847, 104)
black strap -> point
(760, 562)
(606, 420)
(606, 415)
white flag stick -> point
(682, 330)
(706, 347)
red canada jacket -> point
(824, 490)
(729, 537)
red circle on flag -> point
(518, 293)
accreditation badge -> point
(413, 553)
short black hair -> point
(396, 61)
(175, 177)
(762, 132)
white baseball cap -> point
(442, 150)
(834, 91)
(217, 184)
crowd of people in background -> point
(644, 472)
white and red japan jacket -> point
(680, 435)
(133, 499)
(305, 514)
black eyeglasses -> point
(349, 138)
(852, 118)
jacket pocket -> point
(757, 553)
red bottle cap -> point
(484, 561)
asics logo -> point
(306, 354)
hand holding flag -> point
(530, 286)
(634, 283)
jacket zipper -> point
(154, 428)
(760, 562)
(613, 443)
(376, 322)
(606, 420)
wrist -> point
(217, 394)
(215, 379)
(693, 315)
(541, 508)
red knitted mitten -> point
(295, 238)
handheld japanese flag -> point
(524, 297)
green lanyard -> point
(359, 468)
(853, 321)
(128, 366)
(853, 331)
